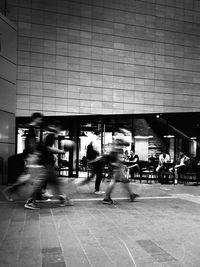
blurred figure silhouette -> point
(115, 159)
(30, 155)
(95, 162)
(48, 174)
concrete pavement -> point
(161, 228)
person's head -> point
(50, 139)
(90, 146)
(121, 142)
(164, 152)
(37, 118)
(54, 127)
(181, 154)
(119, 138)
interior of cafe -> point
(147, 134)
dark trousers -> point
(96, 170)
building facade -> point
(106, 57)
(8, 58)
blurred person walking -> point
(30, 175)
(96, 168)
(30, 154)
(48, 150)
(115, 159)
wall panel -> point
(8, 58)
(147, 49)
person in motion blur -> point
(115, 159)
(30, 155)
(48, 174)
(95, 162)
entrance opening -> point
(148, 136)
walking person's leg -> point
(98, 171)
(116, 174)
(9, 191)
(107, 199)
(60, 195)
(126, 184)
(89, 178)
(53, 180)
(39, 177)
(132, 195)
(97, 185)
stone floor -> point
(161, 228)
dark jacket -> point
(91, 153)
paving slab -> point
(161, 228)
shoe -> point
(65, 202)
(7, 195)
(31, 205)
(99, 192)
(133, 197)
(47, 194)
(108, 201)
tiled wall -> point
(107, 56)
(7, 94)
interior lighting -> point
(169, 136)
(143, 137)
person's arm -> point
(55, 150)
(134, 159)
(99, 158)
(182, 163)
(186, 160)
(161, 160)
(167, 159)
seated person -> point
(163, 158)
(126, 156)
(134, 163)
(180, 166)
